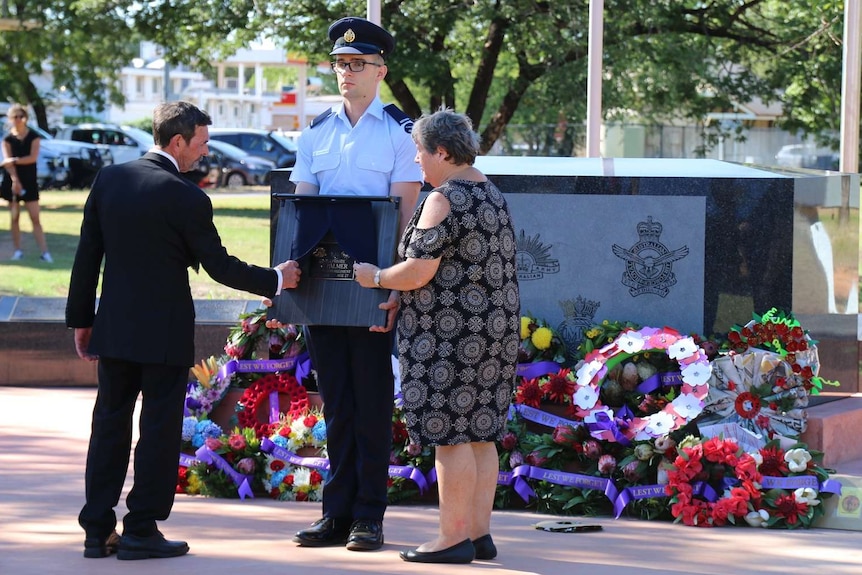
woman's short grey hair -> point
(448, 130)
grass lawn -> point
(242, 221)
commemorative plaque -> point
(326, 235)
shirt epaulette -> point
(402, 118)
(321, 117)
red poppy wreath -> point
(259, 397)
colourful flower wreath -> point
(713, 483)
(257, 398)
(287, 482)
(676, 410)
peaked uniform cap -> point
(353, 35)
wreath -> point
(663, 401)
(256, 402)
(286, 482)
(713, 483)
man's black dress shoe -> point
(324, 532)
(485, 548)
(365, 535)
(153, 546)
(95, 547)
(461, 553)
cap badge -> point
(349, 36)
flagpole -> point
(594, 78)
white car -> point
(124, 142)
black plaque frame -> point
(332, 301)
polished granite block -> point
(697, 245)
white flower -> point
(687, 406)
(806, 495)
(659, 424)
(757, 457)
(757, 518)
(586, 397)
(631, 342)
(696, 373)
(797, 459)
(588, 371)
(682, 349)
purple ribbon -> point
(605, 423)
(303, 366)
(543, 417)
(801, 481)
(274, 412)
(256, 366)
(518, 479)
(657, 380)
(703, 489)
(267, 446)
(208, 456)
(187, 460)
(630, 494)
(537, 369)
(409, 472)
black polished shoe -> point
(153, 546)
(485, 548)
(365, 535)
(461, 553)
(324, 532)
(96, 547)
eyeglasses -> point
(18, 117)
(352, 65)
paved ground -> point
(43, 437)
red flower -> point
(276, 465)
(558, 387)
(529, 393)
(788, 508)
(288, 480)
(301, 496)
(309, 421)
(314, 477)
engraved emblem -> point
(649, 263)
(330, 262)
(533, 258)
(578, 315)
(349, 36)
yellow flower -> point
(194, 486)
(541, 338)
(605, 322)
(525, 327)
(592, 333)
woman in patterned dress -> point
(457, 331)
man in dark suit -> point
(149, 224)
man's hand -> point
(289, 274)
(82, 342)
(391, 306)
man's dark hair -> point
(172, 118)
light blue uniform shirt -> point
(360, 160)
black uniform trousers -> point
(156, 453)
(354, 376)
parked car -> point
(237, 167)
(262, 143)
(807, 156)
(124, 142)
(66, 162)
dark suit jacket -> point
(150, 225)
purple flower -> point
(516, 458)
(592, 449)
(630, 471)
(509, 441)
(607, 464)
(413, 449)
(245, 465)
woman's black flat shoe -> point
(461, 553)
(485, 548)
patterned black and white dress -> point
(458, 334)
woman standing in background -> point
(20, 153)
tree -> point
(83, 48)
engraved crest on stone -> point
(578, 315)
(649, 263)
(533, 258)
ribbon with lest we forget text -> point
(301, 362)
(269, 447)
(243, 482)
